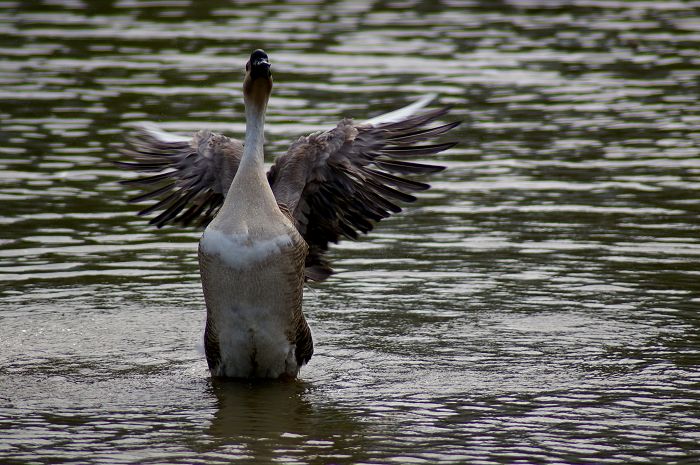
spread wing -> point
(340, 182)
(334, 184)
(192, 175)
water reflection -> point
(271, 421)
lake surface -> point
(538, 305)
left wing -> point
(193, 174)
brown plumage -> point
(336, 183)
(329, 185)
(291, 279)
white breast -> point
(240, 250)
(247, 290)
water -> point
(539, 305)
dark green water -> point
(539, 305)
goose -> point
(267, 233)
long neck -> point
(250, 197)
(253, 158)
(251, 170)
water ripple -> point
(539, 304)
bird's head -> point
(258, 80)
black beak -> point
(259, 65)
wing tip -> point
(403, 112)
(157, 133)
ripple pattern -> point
(538, 305)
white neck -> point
(251, 170)
(250, 197)
(253, 159)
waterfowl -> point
(266, 234)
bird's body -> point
(251, 259)
(268, 233)
(253, 290)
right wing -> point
(338, 183)
(192, 174)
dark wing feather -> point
(340, 182)
(335, 183)
(193, 175)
